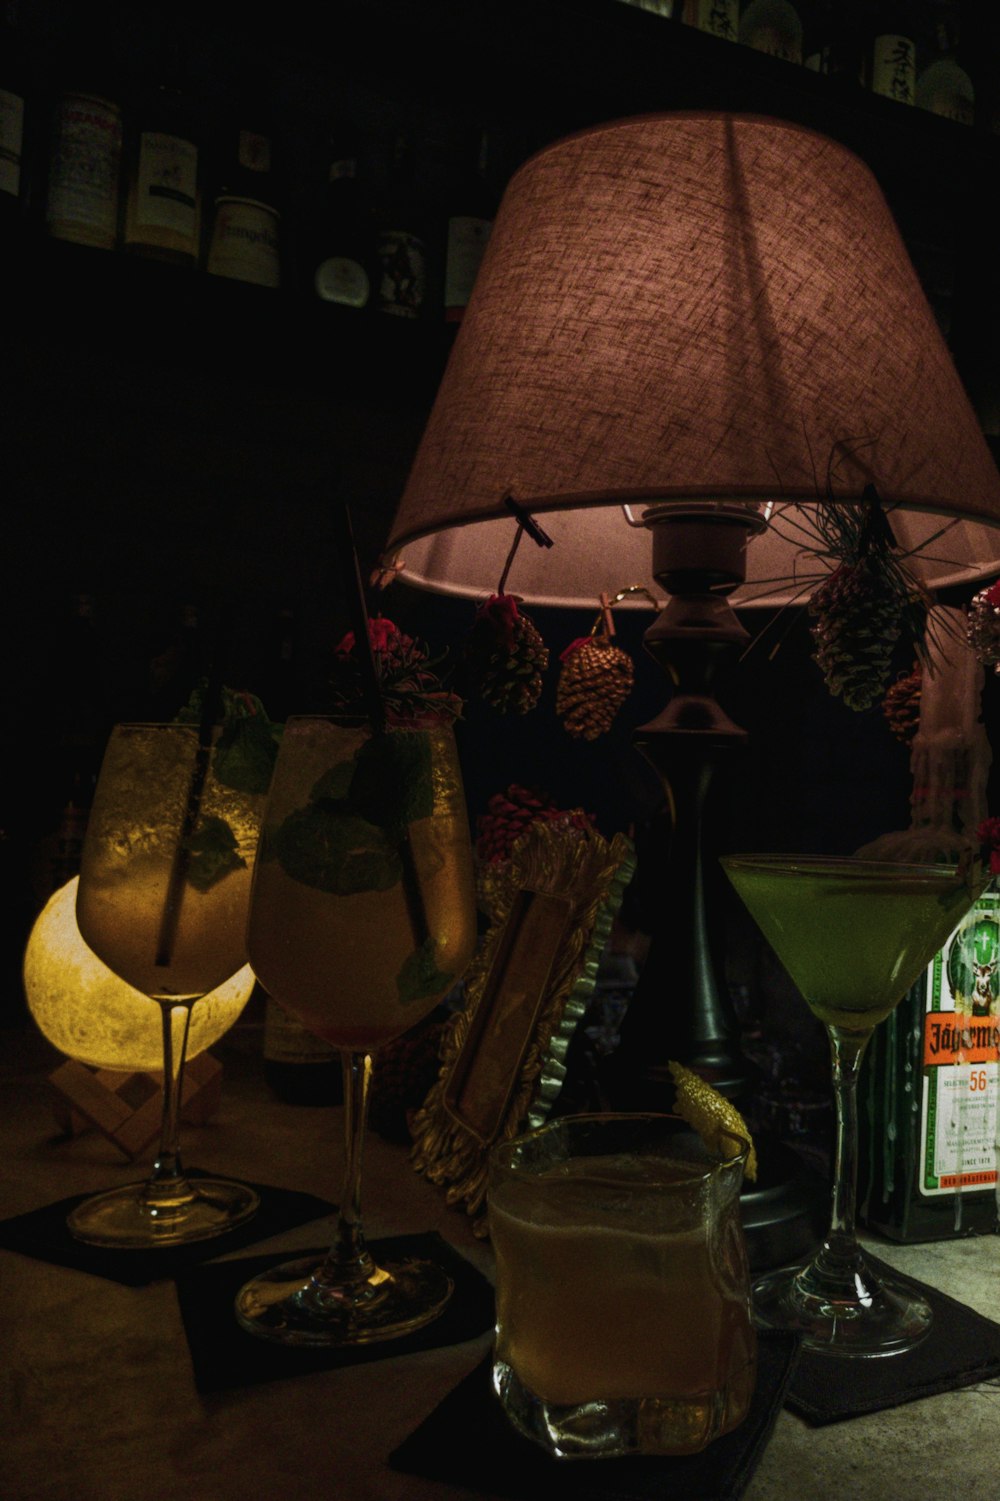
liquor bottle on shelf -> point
(469, 228)
(245, 243)
(773, 26)
(82, 200)
(339, 244)
(943, 85)
(928, 1091)
(720, 18)
(891, 56)
(299, 1067)
(163, 202)
(663, 8)
(401, 238)
(14, 110)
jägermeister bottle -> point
(928, 1091)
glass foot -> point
(143, 1215)
(291, 1304)
(840, 1310)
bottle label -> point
(894, 68)
(960, 1057)
(467, 237)
(288, 1041)
(776, 41)
(402, 263)
(11, 138)
(341, 279)
(946, 90)
(167, 184)
(245, 242)
(720, 17)
(83, 183)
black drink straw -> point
(211, 707)
(374, 702)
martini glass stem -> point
(847, 1049)
(167, 1174)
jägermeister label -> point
(928, 1094)
(958, 1146)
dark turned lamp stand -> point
(680, 1009)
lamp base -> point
(785, 1212)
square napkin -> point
(42, 1233)
(961, 1349)
(224, 1355)
(469, 1442)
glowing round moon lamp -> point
(87, 1012)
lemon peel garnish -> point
(710, 1113)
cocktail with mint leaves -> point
(362, 918)
(163, 898)
(853, 935)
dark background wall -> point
(172, 441)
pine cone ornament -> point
(595, 680)
(505, 656)
(901, 705)
(983, 631)
(857, 625)
(507, 816)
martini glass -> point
(362, 917)
(853, 935)
(163, 897)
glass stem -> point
(847, 1049)
(167, 1169)
(349, 1264)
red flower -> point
(383, 635)
(499, 613)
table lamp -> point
(690, 336)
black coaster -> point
(224, 1355)
(469, 1442)
(42, 1233)
(961, 1349)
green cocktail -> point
(853, 935)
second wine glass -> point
(362, 917)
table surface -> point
(98, 1397)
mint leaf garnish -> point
(245, 754)
(334, 783)
(392, 784)
(212, 853)
(327, 846)
(247, 747)
(419, 975)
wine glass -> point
(362, 917)
(853, 935)
(163, 897)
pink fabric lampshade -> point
(693, 307)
